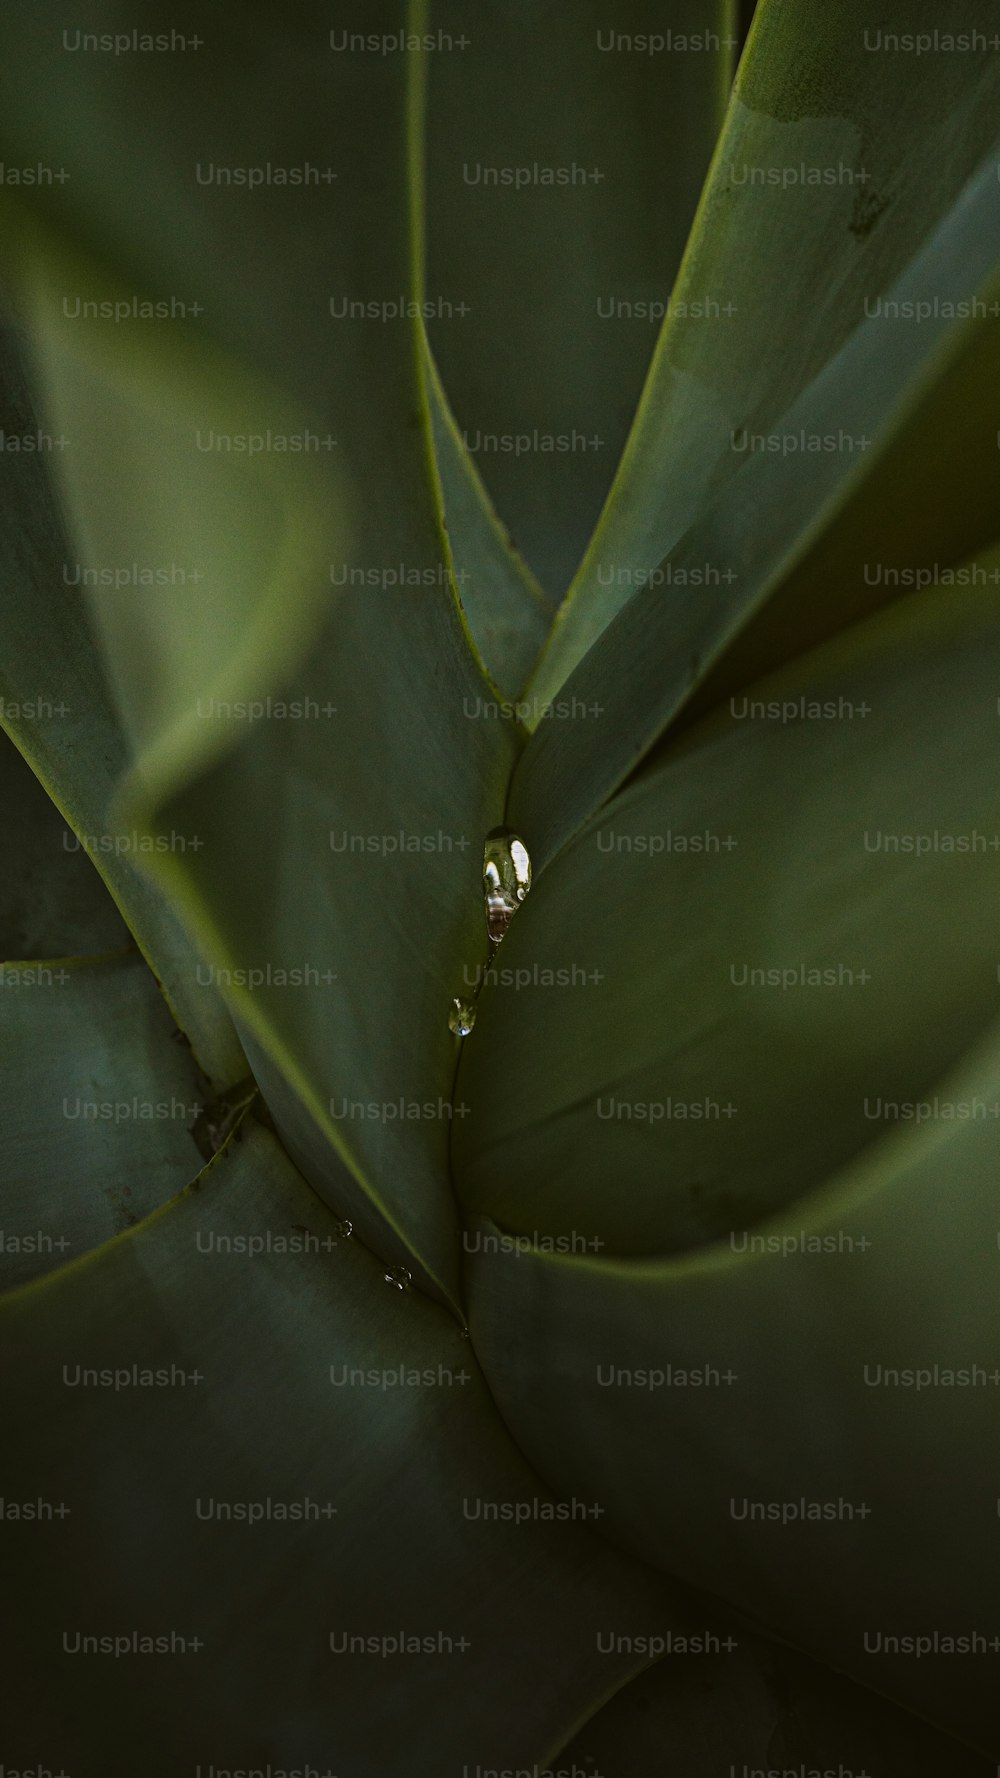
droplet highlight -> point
(506, 879)
(462, 1017)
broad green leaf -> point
(844, 149)
(506, 610)
(801, 1419)
(251, 1501)
(56, 705)
(100, 1103)
(784, 922)
(375, 938)
(759, 1711)
(335, 879)
(240, 530)
(52, 901)
(797, 546)
(557, 221)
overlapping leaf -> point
(557, 220)
(847, 143)
(800, 544)
(802, 1422)
(201, 1397)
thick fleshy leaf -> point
(784, 923)
(336, 876)
(201, 1398)
(52, 901)
(237, 517)
(506, 610)
(55, 703)
(101, 1099)
(555, 232)
(799, 545)
(366, 913)
(802, 1418)
(759, 1711)
(846, 144)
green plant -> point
(636, 1252)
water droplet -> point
(462, 1017)
(506, 879)
(464, 1334)
(399, 1277)
(344, 1230)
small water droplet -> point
(462, 1017)
(344, 1230)
(506, 879)
(399, 1277)
(464, 1334)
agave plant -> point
(571, 1349)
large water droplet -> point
(462, 1017)
(344, 1230)
(399, 1277)
(506, 879)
